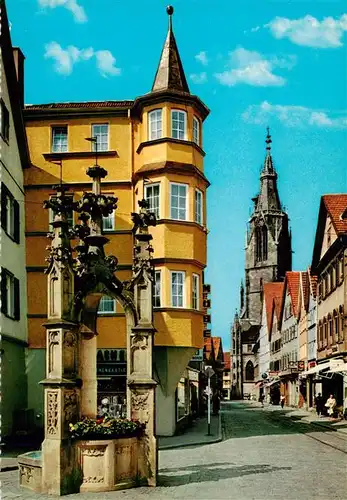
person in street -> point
(318, 401)
(282, 400)
(331, 404)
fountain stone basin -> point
(30, 470)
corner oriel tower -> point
(268, 249)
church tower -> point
(268, 248)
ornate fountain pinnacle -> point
(96, 173)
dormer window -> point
(155, 124)
(179, 124)
(196, 131)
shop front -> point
(327, 378)
(111, 379)
(290, 386)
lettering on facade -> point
(111, 362)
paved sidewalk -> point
(309, 417)
(194, 435)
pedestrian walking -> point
(282, 399)
(318, 401)
(331, 404)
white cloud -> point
(77, 10)
(252, 68)
(199, 78)
(310, 31)
(65, 59)
(106, 63)
(292, 116)
(202, 58)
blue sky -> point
(276, 63)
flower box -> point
(108, 464)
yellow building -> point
(151, 147)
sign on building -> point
(111, 362)
(198, 356)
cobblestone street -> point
(262, 456)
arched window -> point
(320, 334)
(257, 244)
(336, 325)
(330, 329)
(264, 243)
(325, 332)
(249, 371)
(341, 324)
(261, 243)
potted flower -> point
(109, 450)
(106, 428)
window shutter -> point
(3, 292)
(16, 299)
(3, 206)
(16, 221)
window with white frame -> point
(179, 124)
(177, 288)
(179, 201)
(196, 131)
(108, 222)
(10, 295)
(100, 132)
(195, 292)
(198, 207)
(59, 139)
(107, 305)
(157, 289)
(155, 125)
(152, 195)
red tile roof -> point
(313, 283)
(336, 205)
(272, 291)
(278, 303)
(305, 288)
(226, 356)
(216, 345)
(74, 105)
(293, 280)
(208, 347)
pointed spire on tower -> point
(268, 198)
(170, 74)
(268, 164)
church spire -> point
(268, 164)
(268, 198)
(170, 74)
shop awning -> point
(317, 368)
(338, 368)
